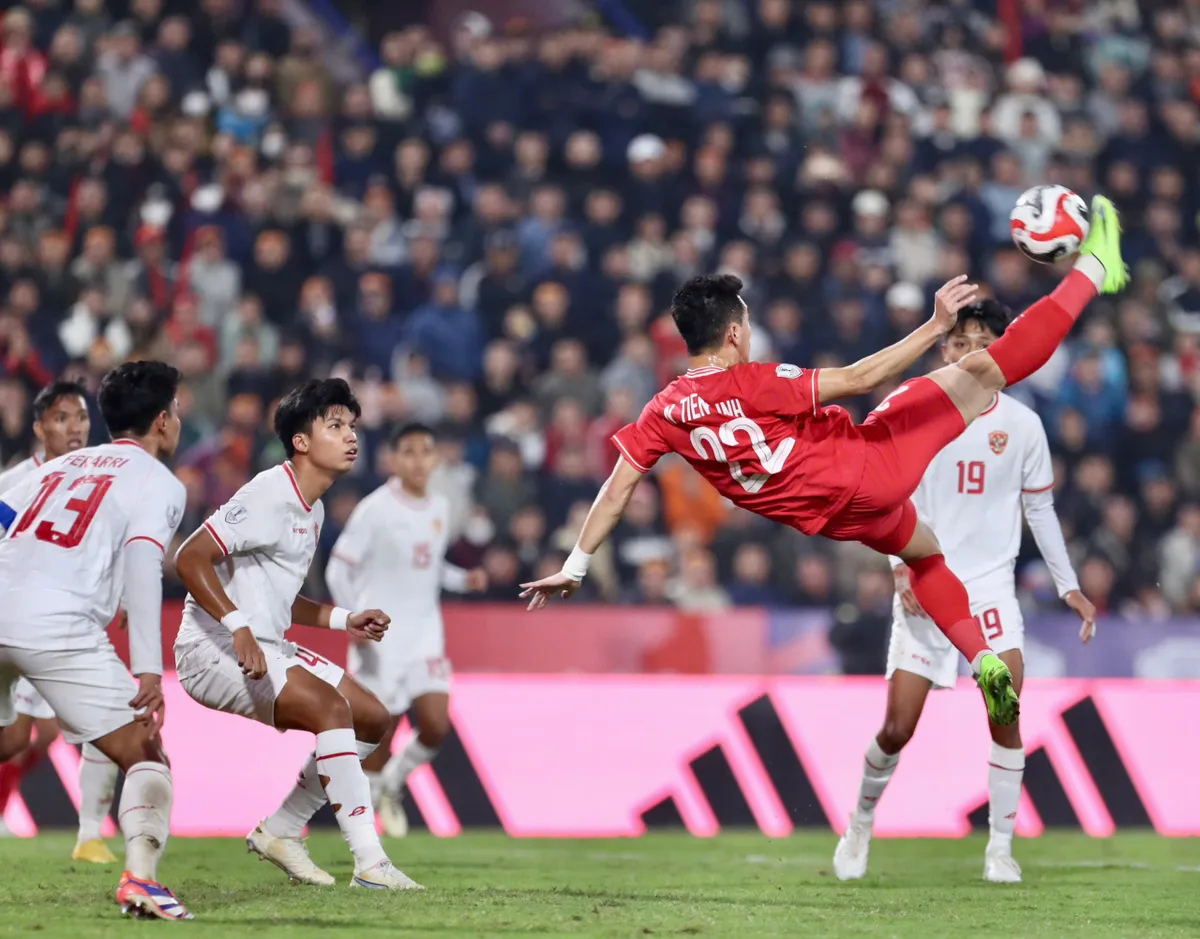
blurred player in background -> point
(972, 497)
(85, 531)
(243, 569)
(61, 425)
(762, 436)
(391, 555)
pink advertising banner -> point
(580, 756)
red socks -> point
(1033, 336)
(944, 598)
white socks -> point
(1091, 268)
(97, 782)
(342, 776)
(308, 795)
(299, 805)
(145, 817)
(877, 773)
(400, 766)
(1006, 768)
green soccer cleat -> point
(996, 683)
(1104, 244)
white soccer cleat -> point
(853, 851)
(392, 816)
(290, 855)
(384, 876)
(1001, 868)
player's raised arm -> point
(869, 373)
(606, 511)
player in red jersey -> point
(764, 437)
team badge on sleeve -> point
(788, 371)
(997, 440)
(237, 512)
(173, 515)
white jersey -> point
(269, 536)
(15, 475)
(395, 546)
(60, 576)
(971, 493)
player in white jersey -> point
(972, 496)
(85, 531)
(391, 554)
(61, 425)
(243, 569)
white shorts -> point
(88, 690)
(29, 702)
(209, 672)
(919, 647)
(394, 677)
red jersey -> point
(758, 433)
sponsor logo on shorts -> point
(997, 440)
(299, 531)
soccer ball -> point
(1048, 223)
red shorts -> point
(903, 435)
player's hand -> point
(122, 620)
(148, 703)
(952, 297)
(1086, 611)
(249, 653)
(541, 591)
(908, 599)
(477, 580)
(369, 625)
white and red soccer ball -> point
(1048, 223)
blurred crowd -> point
(484, 232)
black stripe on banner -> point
(663, 814)
(721, 789)
(783, 767)
(461, 783)
(1108, 771)
(46, 798)
(1046, 792)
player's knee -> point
(371, 720)
(896, 734)
(434, 730)
(336, 711)
(13, 739)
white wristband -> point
(235, 621)
(577, 564)
(338, 618)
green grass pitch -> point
(736, 885)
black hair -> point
(132, 396)
(409, 429)
(991, 314)
(52, 393)
(704, 307)
(312, 400)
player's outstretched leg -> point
(308, 703)
(1032, 337)
(1006, 769)
(906, 699)
(97, 784)
(145, 819)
